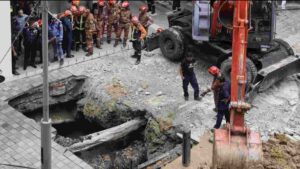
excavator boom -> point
(237, 147)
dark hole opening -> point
(66, 120)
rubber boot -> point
(134, 55)
(90, 52)
(61, 62)
(138, 61)
(98, 43)
(124, 42)
(77, 47)
(108, 40)
(116, 43)
(84, 48)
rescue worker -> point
(66, 20)
(124, 23)
(90, 28)
(74, 11)
(113, 14)
(223, 103)
(215, 86)
(30, 34)
(79, 32)
(188, 77)
(100, 21)
(138, 34)
(57, 30)
(145, 20)
(76, 2)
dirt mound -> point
(282, 153)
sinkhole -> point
(130, 138)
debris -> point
(159, 93)
(107, 135)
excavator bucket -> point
(234, 151)
(266, 77)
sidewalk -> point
(79, 57)
(20, 137)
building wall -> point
(5, 39)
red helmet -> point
(75, 2)
(143, 8)
(214, 70)
(67, 13)
(73, 9)
(40, 22)
(125, 4)
(112, 1)
(101, 2)
(135, 20)
(81, 10)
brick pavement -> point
(20, 136)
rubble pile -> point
(281, 152)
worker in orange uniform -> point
(145, 20)
(90, 28)
(216, 84)
(113, 15)
(124, 23)
(138, 35)
(99, 15)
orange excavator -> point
(237, 146)
(238, 36)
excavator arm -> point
(237, 146)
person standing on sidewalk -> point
(124, 23)
(151, 6)
(68, 32)
(113, 15)
(100, 21)
(19, 25)
(188, 77)
(90, 28)
(79, 33)
(57, 28)
(30, 34)
(176, 5)
(138, 34)
(144, 19)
